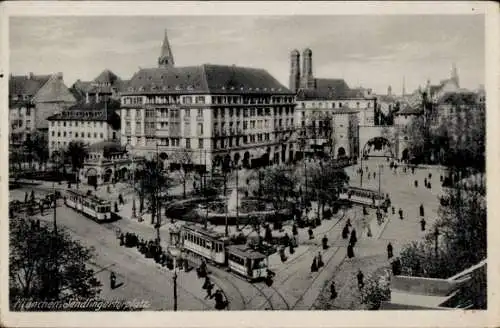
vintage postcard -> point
(249, 164)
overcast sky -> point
(368, 51)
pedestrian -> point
(429, 185)
(295, 231)
(430, 176)
(354, 239)
(350, 251)
(416, 183)
(360, 276)
(348, 223)
(311, 233)
(421, 209)
(314, 266)
(389, 251)
(422, 224)
(401, 214)
(412, 170)
(374, 175)
(320, 260)
(325, 242)
(365, 211)
(120, 199)
(333, 291)
(396, 267)
(209, 288)
(116, 207)
(26, 197)
(425, 182)
(112, 280)
(345, 232)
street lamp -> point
(175, 252)
(130, 149)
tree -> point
(40, 147)
(184, 158)
(327, 189)
(376, 291)
(277, 185)
(152, 186)
(45, 265)
(76, 153)
(416, 138)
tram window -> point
(258, 264)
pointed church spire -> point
(454, 74)
(404, 88)
(166, 58)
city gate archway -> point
(385, 135)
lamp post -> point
(130, 149)
(175, 252)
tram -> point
(215, 248)
(363, 196)
(205, 243)
(246, 262)
(89, 205)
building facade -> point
(107, 85)
(86, 122)
(32, 99)
(206, 115)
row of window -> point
(132, 100)
(332, 105)
(208, 244)
(221, 143)
(250, 112)
(77, 123)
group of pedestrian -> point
(317, 263)
(220, 302)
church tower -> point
(294, 70)
(307, 70)
(166, 58)
(389, 91)
(454, 75)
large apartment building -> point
(208, 115)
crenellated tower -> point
(166, 58)
(294, 70)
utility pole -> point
(436, 238)
(237, 195)
(379, 173)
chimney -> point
(30, 76)
(59, 75)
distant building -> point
(310, 88)
(106, 162)
(86, 122)
(213, 113)
(107, 85)
(32, 99)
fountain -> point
(234, 201)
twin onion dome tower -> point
(306, 79)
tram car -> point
(363, 196)
(246, 262)
(205, 243)
(215, 248)
(89, 205)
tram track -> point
(136, 281)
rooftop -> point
(26, 84)
(107, 147)
(206, 78)
(101, 111)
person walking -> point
(320, 260)
(421, 209)
(333, 291)
(311, 233)
(354, 239)
(112, 280)
(325, 242)
(314, 265)
(345, 232)
(401, 214)
(350, 251)
(422, 224)
(389, 251)
(360, 277)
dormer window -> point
(164, 88)
(177, 87)
(130, 89)
(223, 88)
(141, 88)
(190, 87)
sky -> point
(369, 51)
